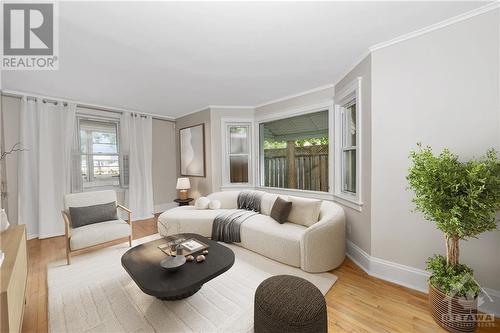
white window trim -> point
(259, 160)
(353, 89)
(225, 176)
(111, 118)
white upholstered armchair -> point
(95, 235)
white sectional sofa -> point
(319, 247)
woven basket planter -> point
(454, 314)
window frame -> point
(351, 92)
(326, 105)
(88, 156)
(226, 124)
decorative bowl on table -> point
(173, 263)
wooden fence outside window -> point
(304, 168)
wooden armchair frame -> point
(67, 235)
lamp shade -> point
(183, 184)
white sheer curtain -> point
(136, 144)
(47, 133)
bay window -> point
(295, 152)
(237, 157)
(347, 145)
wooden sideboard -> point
(13, 278)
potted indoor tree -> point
(461, 198)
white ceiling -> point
(173, 58)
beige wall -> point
(359, 223)
(441, 88)
(164, 164)
(200, 186)
(217, 114)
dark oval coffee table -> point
(142, 263)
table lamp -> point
(183, 186)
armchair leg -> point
(68, 256)
(130, 240)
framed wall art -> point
(192, 151)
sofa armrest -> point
(322, 246)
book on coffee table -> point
(189, 246)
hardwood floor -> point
(356, 303)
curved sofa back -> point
(229, 200)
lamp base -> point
(183, 194)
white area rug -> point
(95, 294)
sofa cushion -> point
(267, 202)
(98, 233)
(187, 219)
(281, 210)
(83, 199)
(281, 242)
(81, 216)
(304, 211)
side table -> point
(183, 202)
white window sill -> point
(299, 193)
(103, 188)
(348, 201)
(236, 186)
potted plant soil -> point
(461, 198)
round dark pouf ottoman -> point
(286, 303)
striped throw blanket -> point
(227, 225)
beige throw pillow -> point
(304, 211)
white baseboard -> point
(163, 207)
(411, 277)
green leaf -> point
(461, 198)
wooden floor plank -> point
(357, 303)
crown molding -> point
(210, 107)
(240, 107)
(459, 18)
(352, 66)
(328, 86)
(193, 112)
(247, 107)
